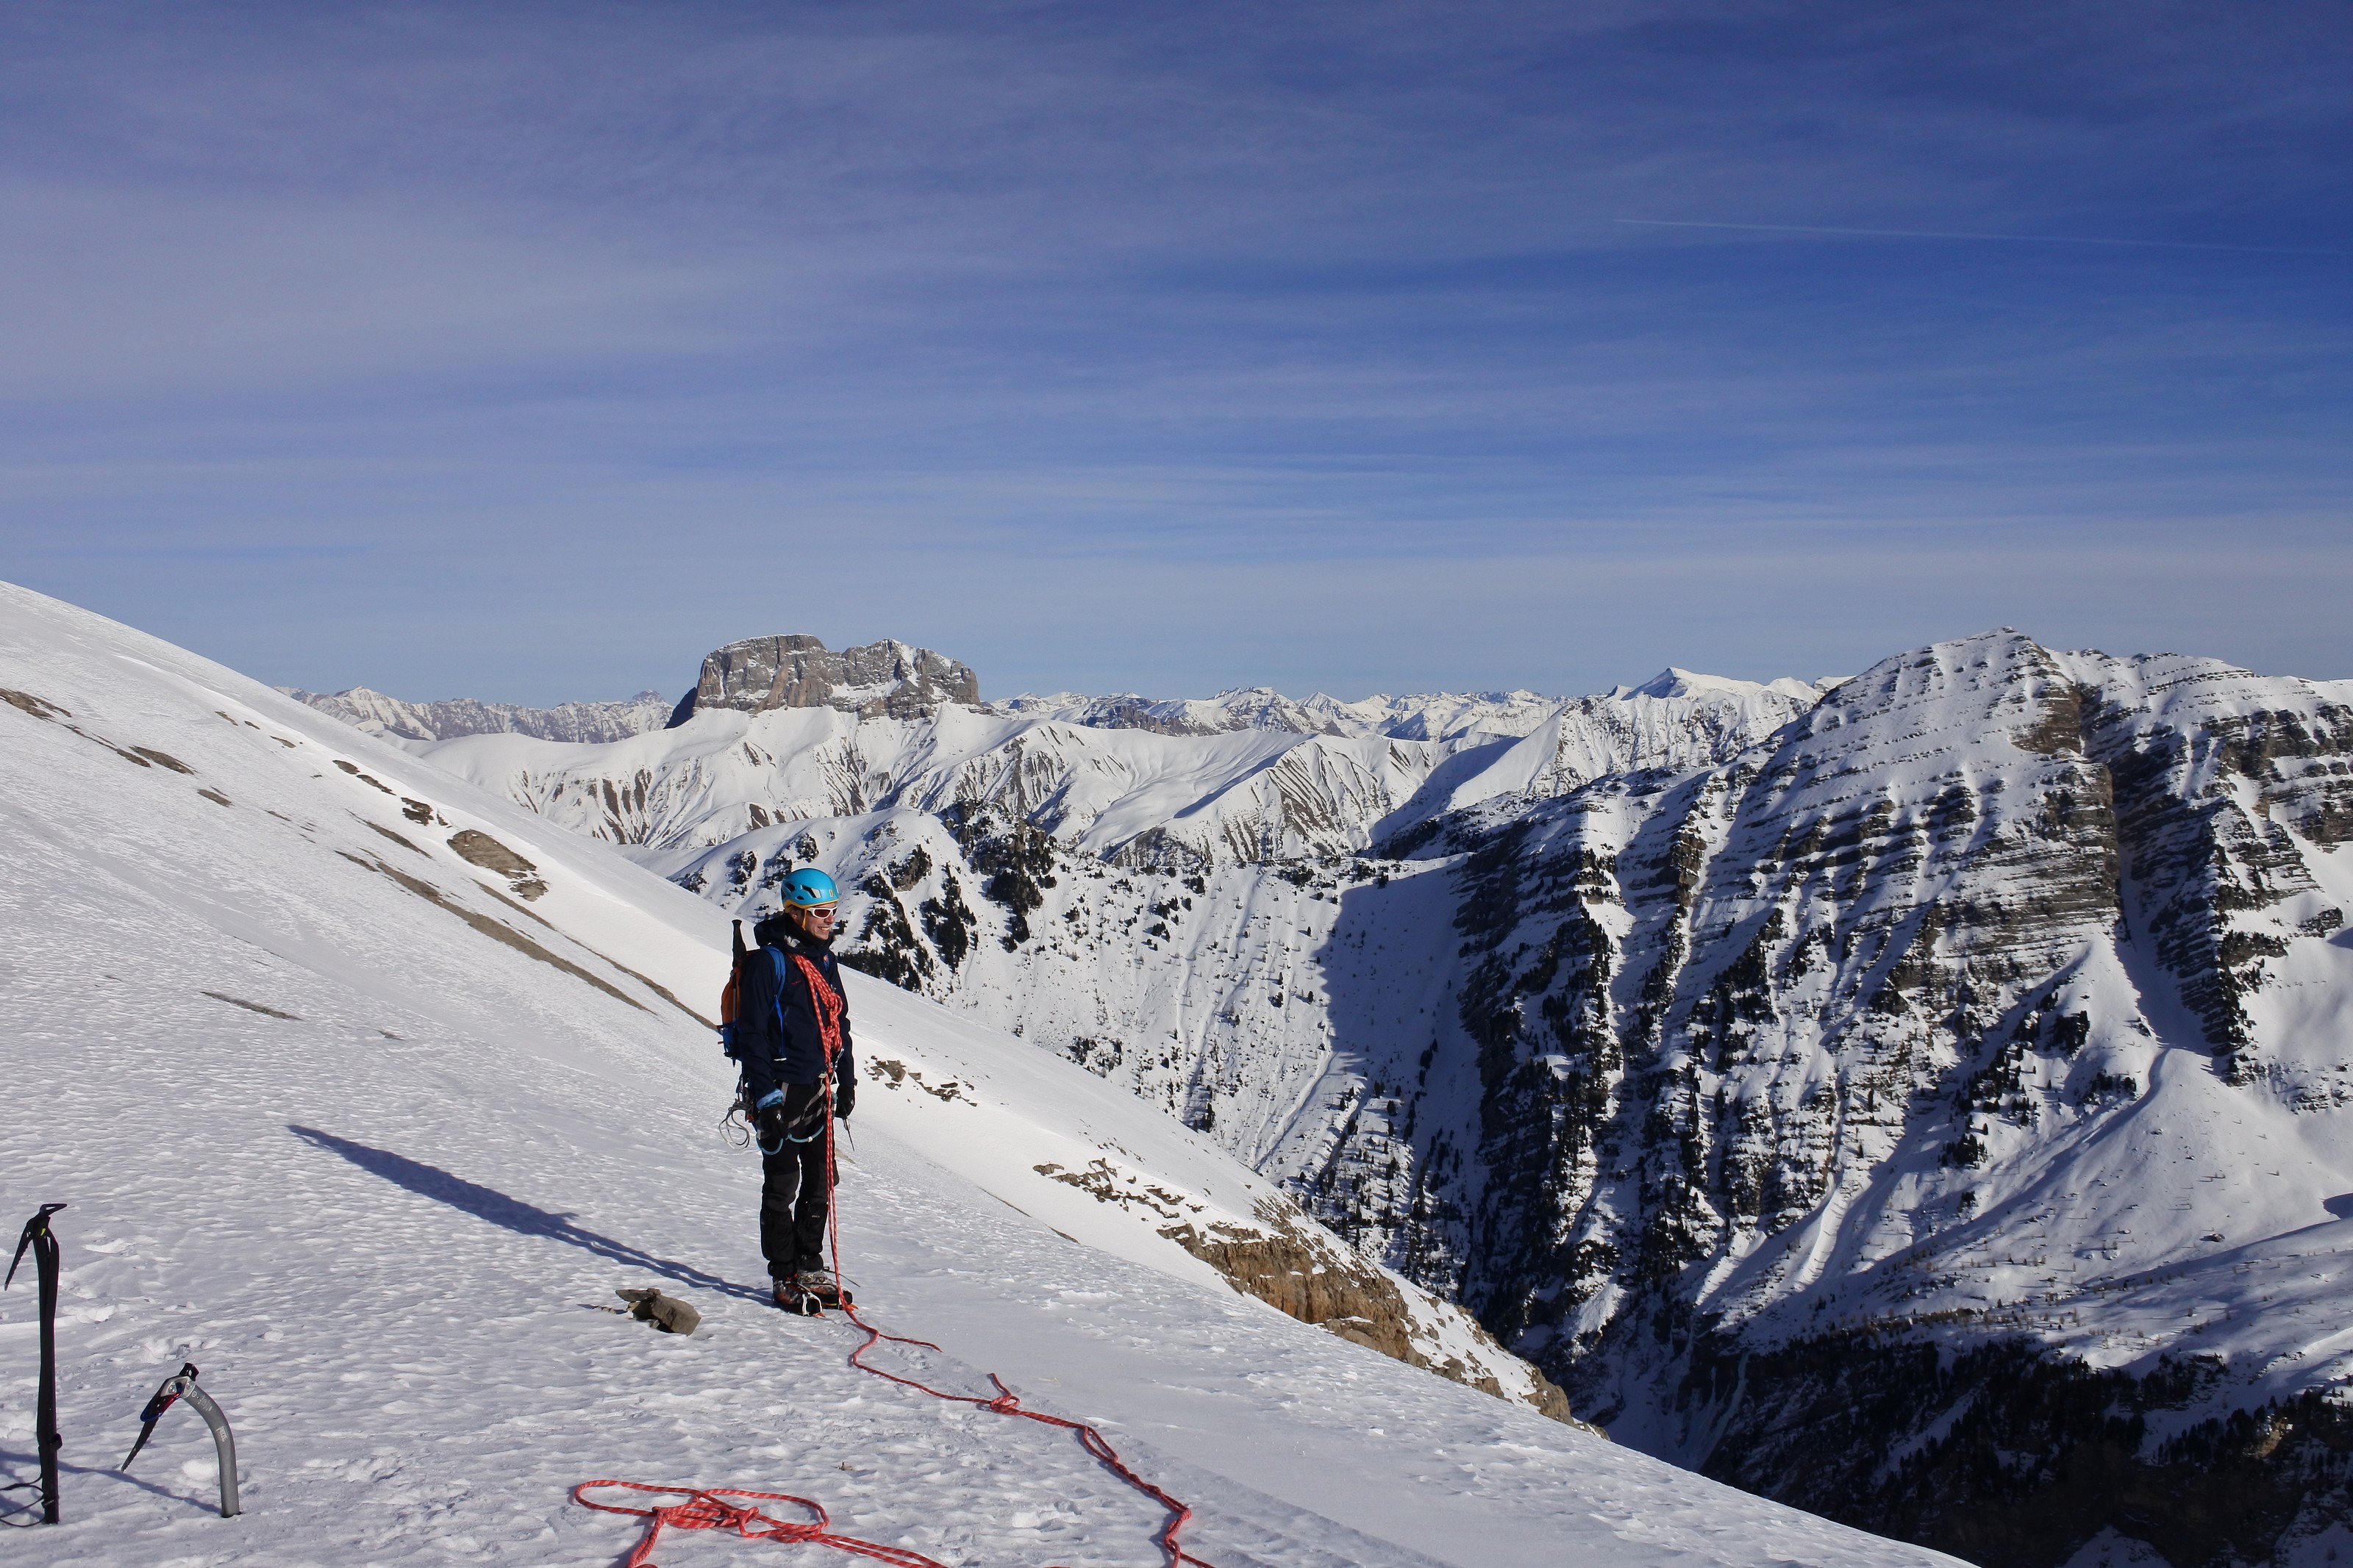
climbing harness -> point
(44, 1243)
(706, 1510)
(180, 1385)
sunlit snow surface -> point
(387, 1225)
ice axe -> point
(44, 1243)
(183, 1385)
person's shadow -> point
(511, 1214)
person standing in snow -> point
(793, 1024)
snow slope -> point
(370, 1124)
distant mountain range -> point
(577, 722)
(896, 679)
(1919, 1097)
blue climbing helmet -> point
(809, 886)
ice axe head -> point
(36, 1229)
(170, 1392)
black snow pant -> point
(792, 1206)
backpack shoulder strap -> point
(781, 966)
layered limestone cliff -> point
(875, 681)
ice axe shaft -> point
(181, 1384)
(44, 1243)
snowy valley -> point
(1916, 1097)
(367, 1090)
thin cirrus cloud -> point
(1172, 349)
(1800, 228)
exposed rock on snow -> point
(479, 848)
(1294, 1267)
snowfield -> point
(367, 1091)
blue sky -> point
(528, 352)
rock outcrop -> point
(1296, 1269)
(877, 681)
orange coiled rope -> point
(705, 1511)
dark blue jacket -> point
(777, 1036)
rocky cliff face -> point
(879, 679)
(1933, 1026)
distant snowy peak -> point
(1675, 681)
(1421, 716)
(1248, 707)
(1440, 716)
(1444, 716)
(374, 713)
(883, 680)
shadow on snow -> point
(511, 1214)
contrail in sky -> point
(2020, 238)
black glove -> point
(768, 1121)
(845, 1095)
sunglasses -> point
(825, 909)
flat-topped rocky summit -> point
(883, 680)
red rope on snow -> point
(705, 1511)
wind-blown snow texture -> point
(367, 1091)
(1729, 1049)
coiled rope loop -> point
(708, 1511)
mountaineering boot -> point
(788, 1294)
(818, 1282)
